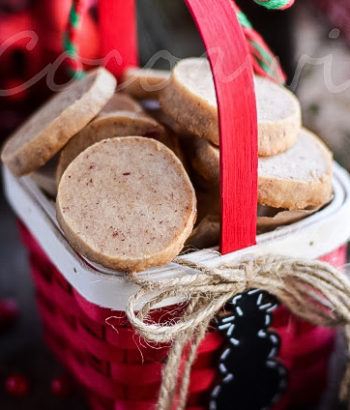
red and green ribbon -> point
(275, 4)
(263, 60)
(70, 37)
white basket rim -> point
(311, 237)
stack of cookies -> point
(295, 167)
(129, 174)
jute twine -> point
(313, 290)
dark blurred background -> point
(312, 40)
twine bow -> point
(313, 290)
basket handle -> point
(233, 75)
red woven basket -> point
(122, 372)
(118, 370)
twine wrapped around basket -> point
(313, 290)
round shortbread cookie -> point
(49, 129)
(144, 83)
(190, 100)
(298, 178)
(122, 116)
(206, 160)
(127, 203)
(279, 117)
(120, 102)
(152, 107)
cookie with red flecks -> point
(127, 203)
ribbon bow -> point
(313, 290)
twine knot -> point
(313, 290)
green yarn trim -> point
(273, 4)
(262, 51)
(74, 66)
(266, 65)
(69, 46)
(74, 17)
(243, 20)
(76, 74)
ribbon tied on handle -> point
(275, 4)
(70, 38)
(264, 61)
(313, 290)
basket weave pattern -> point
(120, 371)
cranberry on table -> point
(9, 312)
(61, 386)
(17, 385)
